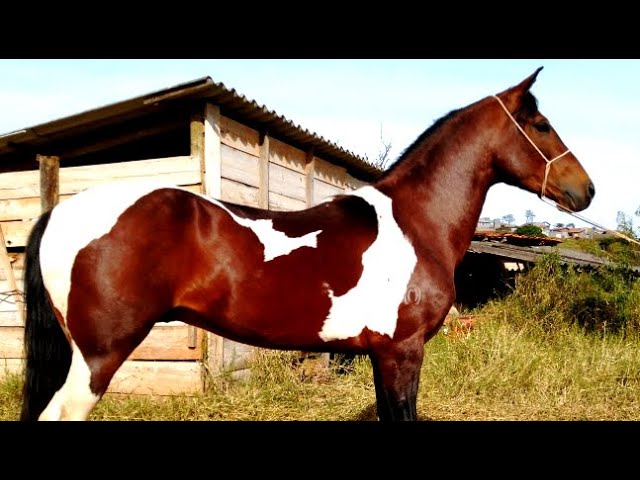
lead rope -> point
(546, 175)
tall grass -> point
(554, 297)
(564, 346)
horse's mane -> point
(418, 141)
(528, 107)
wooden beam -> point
(206, 146)
(196, 127)
(309, 171)
(212, 158)
(49, 181)
(263, 173)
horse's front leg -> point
(396, 373)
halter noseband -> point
(549, 162)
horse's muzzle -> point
(579, 199)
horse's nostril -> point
(591, 189)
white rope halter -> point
(549, 162)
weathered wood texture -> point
(11, 342)
(263, 177)
(211, 161)
(11, 296)
(353, 183)
(163, 343)
(49, 181)
(7, 303)
(239, 136)
(158, 378)
(20, 191)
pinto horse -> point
(369, 272)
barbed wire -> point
(12, 297)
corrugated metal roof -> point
(231, 104)
(516, 238)
(532, 253)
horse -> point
(367, 272)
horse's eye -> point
(543, 127)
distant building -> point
(573, 232)
(486, 223)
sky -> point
(593, 104)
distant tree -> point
(559, 225)
(508, 219)
(382, 160)
(529, 216)
(530, 230)
(625, 224)
(571, 225)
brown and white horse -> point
(368, 272)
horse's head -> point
(531, 155)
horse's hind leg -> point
(396, 374)
(75, 399)
(90, 374)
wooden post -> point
(212, 160)
(206, 146)
(49, 181)
(263, 188)
(309, 170)
(309, 176)
(49, 197)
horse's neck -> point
(438, 193)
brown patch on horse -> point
(191, 269)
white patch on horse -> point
(277, 243)
(388, 265)
(92, 213)
(75, 399)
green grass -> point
(564, 346)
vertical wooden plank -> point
(49, 197)
(206, 146)
(263, 187)
(309, 170)
(213, 187)
(5, 263)
(196, 127)
(212, 158)
(49, 181)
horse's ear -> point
(513, 96)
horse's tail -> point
(47, 351)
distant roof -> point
(514, 238)
(231, 104)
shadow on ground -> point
(369, 414)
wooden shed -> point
(200, 135)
